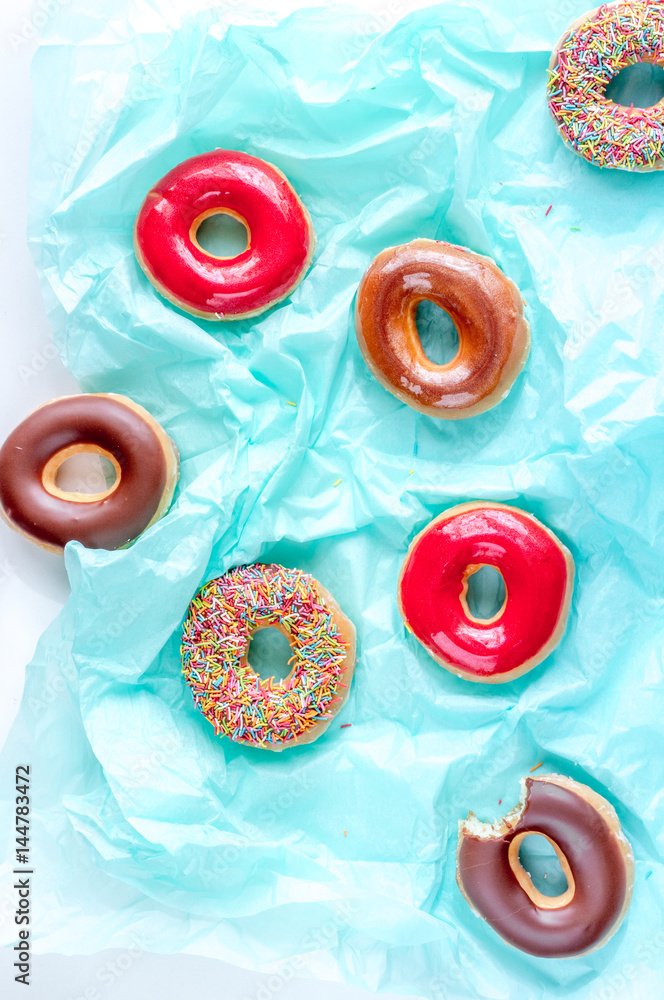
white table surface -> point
(33, 583)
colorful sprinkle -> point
(607, 134)
(222, 618)
(346, 725)
(537, 765)
(288, 403)
(337, 482)
(548, 210)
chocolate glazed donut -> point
(594, 855)
(485, 306)
(144, 458)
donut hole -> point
(641, 85)
(221, 233)
(485, 595)
(81, 473)
(540, 861)
(269, 653)
(437, 331)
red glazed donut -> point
(594, 856)
(538, 572)
(281, 236)
(143, 456)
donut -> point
(594, 855)
(222, 618)
(538, 573)
(485, 306)
(587, 57)
(280, 246)
(143, 456)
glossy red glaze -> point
(281, 238)
(537, 580)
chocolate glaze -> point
(91, 420)
(484, 305)
(595, 859)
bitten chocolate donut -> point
(538, 573)
(222, 618)
(144, 458)
(588, 56)
(487, 310)
(281, 236)
(594, 856)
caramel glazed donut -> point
(269, 714)
(144, 459)
(594, 855)
(485, 306)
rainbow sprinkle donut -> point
(222, 618)
(590, 54)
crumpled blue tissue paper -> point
(337, 860)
